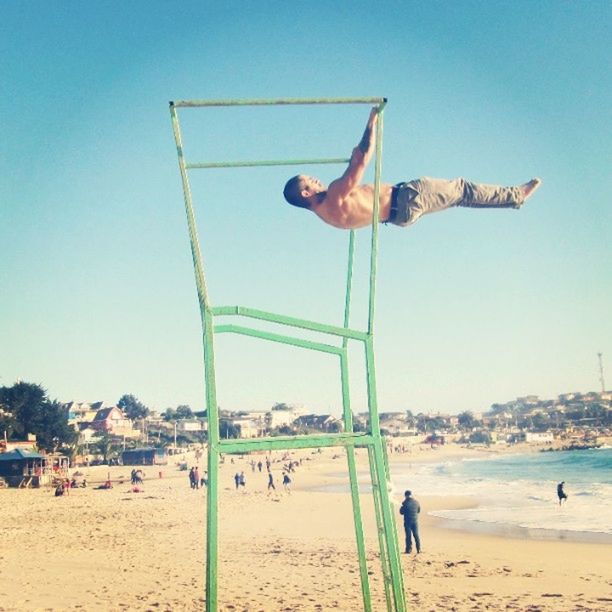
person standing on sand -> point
(410, 510)
(561, 494)
(271, 481)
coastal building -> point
(144, 456)
(322, 422)
(248, 427)
(539, 437)
(83, 412)
(396, 424)
(282, 414)
(112, 420)
(27, 468)
(184, 425)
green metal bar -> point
(209, 379)
(354, 487)
(292, 321)
(348, 427)
(375, 220)
(212, 528)
(277, 102)
(389, 528)
(371, 388)
(245, 445)
(359, 536)
(256, 333)
(389, 548)
(384, 559)
(191, 224)
(400, 574)
(270, 162)
(349, 283)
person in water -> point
(561, 494)
(347, 204)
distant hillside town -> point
(46, 435)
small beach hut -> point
(22, 468)
(144, 456)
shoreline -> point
(436, 503)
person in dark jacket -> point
(561, 494)
(410, 509)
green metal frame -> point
(372, 439)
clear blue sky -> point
(474, 307)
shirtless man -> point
(347, 204)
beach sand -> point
(120, 550)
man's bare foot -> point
(530, 187)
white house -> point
(538, 437)
(283, 415)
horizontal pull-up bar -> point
(277, 102)
(343, 332)
(271, 162)
(264, 335)
(245, 445)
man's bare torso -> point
(355, 209)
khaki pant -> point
(428, 195)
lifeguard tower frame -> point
(371, 439)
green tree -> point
(7, 421)
(466, 420)
(132, 407)
(540, 422)
(281, 406)
(184, 412)
(228, 430)
(410, 419)
(53, 430)
(26, 409)
(480, 437)
(105, 445)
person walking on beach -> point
(347, 204)
(192, 477)
(410, 509)
(196, 477)
(237, 480)
(271, 481)
(561, 494)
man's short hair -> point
(408, 493)
(293, 193)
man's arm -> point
(360, 158)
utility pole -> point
(601, 374)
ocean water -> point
(520, 491)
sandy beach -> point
(122, 550)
